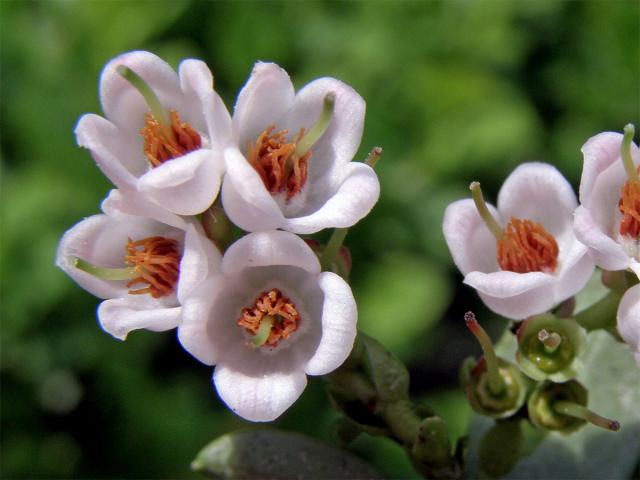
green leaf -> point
(612, 378)
(389, 375)
(274, 454)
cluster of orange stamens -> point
(276, 163)
(157, 261)
(527, 247)
(162, 142)
(274, 304)
(629, 206)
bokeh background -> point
(455, 91)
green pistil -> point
(575, 410)
(491, 223)
(160, 114)
(261, 337)
(321, 125)
(128, 273)
(496, 382)
(625, 151)
(551, 341)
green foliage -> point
(455, 91)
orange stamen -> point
(274, 304)
(160, 145)
(527, 247)
(270, 156)
(629, 206)
(157, 261)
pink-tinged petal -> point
(262, 102)
(261, 388)
(472, 245)
(600, 152)
(186, 185)
(629, 319)
(196, 82)
(269, 248)
(119, 316)
(607, 253)
(505, 284)
(339, 317)
(538, 192)
(519, 307)
(245, 198)
(121, 204)
(575, 271)
(122, 103)
(200, 259)
(354, 199)
(109, 149)
(341, 140)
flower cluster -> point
(257, 304)
(539, 247)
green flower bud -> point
(562, 407)
(549, 347)
(494, 387)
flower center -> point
(280, 169)
(629, 206)
(161, 145)
(157, 262)
(526, 247)
(271, 318)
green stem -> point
(127, 273)
(602, 314)
(580, 411)
(496, 383)
(402, 420)
(489, 220)
(332, 249)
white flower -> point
(268, 319)
(538, 263)
(142, 268)
(612, 237)
(273, 181)
(174, 161)
(629, 320)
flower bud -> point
(561, 407)
(494, 387)
(549, 347)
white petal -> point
(121, 204)
(196, 82)
(119, 316)
(600, 152)
(353, 201)
(245, 198)
(269, 248)
(575, 271)
(200, 259)
(505, 284)
(259, 391)
(519, 307)
(539, 192)
(606, 253)
(472, 245)
(109, 148)
(629, 318)
(267, 95)
(341, 140)
(122, 103)
(186, 185)
(339, 317)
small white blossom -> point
(176, 162)
(599, 220)
(629, 320)
(266, 320)
(270, 183)
(539, 263)
(141, 267)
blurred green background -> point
(455, 91)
